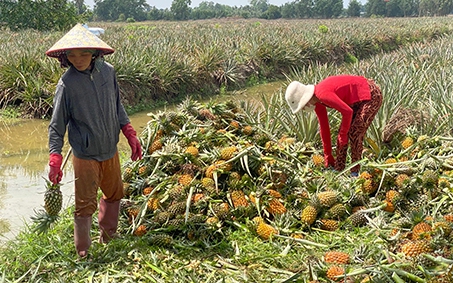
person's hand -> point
(55, 173)
(133, 141)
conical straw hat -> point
(79, 37)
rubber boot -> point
(108, 219)
(82, 239)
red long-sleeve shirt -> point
(340, 93)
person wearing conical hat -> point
(87, 105)
(358, 100)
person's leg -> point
(109, 205)
(86, 173)
(363, 117)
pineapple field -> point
(236, 191)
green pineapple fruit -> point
(53, 198)
(160, 240)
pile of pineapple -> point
(208, 170)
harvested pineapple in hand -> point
(53, 201)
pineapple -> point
(318, 160)
(185, 179)
(265, 231)
(335, 272)
(401, 180)
(177, 208)
(358, 219)
(430, 179)
(407, 142)
(308, 215)
(192, 150)
(128, 174)
(238, 199)
(337, 211)
(140, 231)
(53, 198)
(152, 204)
(421, 230)
(329, 224)
(147, 190)
(161, 240)
(206, 114)
(228, 152)
(221, 210)
(247, 130)
(155, 146)
(327, 198)
(336, 257)
(275, 207)
(415, 248)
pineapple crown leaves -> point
(42, 221)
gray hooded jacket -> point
(88, 104)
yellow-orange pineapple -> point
(275, 207)
(415, 248)
(421, 230)
(265, 231)
(329, 224)
(336, 257)
(238, 199)
(318, 160)
(308, 215)
(334, 272)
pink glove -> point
(55, 173)
(133, 141)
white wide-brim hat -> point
(79, 37)
(297, 95)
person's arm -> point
(333, 101)
(57, 131)
(324, 129)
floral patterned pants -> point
(364, 113)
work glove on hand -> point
(133, 141)
(55, 173)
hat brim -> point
(78, 37)
(301, 93)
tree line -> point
(62, 14)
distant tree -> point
(354, 9)
(155, 14)
(272, 13)
(110, 10)
(328, 8)
(375, 8)
(180, 9)
(38, 14)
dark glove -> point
(133, 141)
(55, 173)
